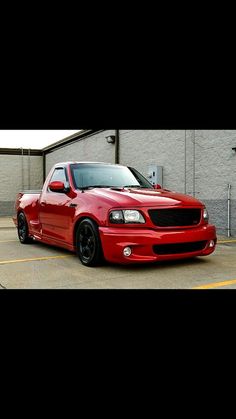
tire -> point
(88, 243)
(23, 230)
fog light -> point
(127, 251)
(212, 243)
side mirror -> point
(157, 186)
(57, 186)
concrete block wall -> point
(197, 162)
(215, 168)
(200, 163)
(139, 148)
(91, 148)
(12, 181)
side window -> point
(59, 174)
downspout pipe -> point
(194, 161)
(29, 168)
(44, 167)
(185, 163)
(229, 210)
(117, 146)
(22, 168)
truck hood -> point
(143, 197)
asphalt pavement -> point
(39, 266)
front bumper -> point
(141, 241)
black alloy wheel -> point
(22, 228)
(88, 244)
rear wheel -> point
(88, 244)
(22, 228)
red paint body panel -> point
(53, 217)
(142, 243)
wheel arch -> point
(78, 221)
(19, 211)
(27, 238)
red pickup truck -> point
(107, 210)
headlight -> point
(133, 216)
(126, 217)
(205, 215)
(116, 217)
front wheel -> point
(88, 244)
(22, 228)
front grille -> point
(172, 249)
(173, 217)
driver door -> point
(54, 210)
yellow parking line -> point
(215, 284)
(3, 262)
(226, 241)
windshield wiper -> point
(135, 186)
(84, 188)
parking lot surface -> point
(38, 266)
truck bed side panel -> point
(28, 203)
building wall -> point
(12, 180)
(200, 163)
(197, 162)
(215, 168)
(92, 148)
(139, 148)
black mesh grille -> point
(175, 217)
(170, 249)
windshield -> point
(102, 175)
